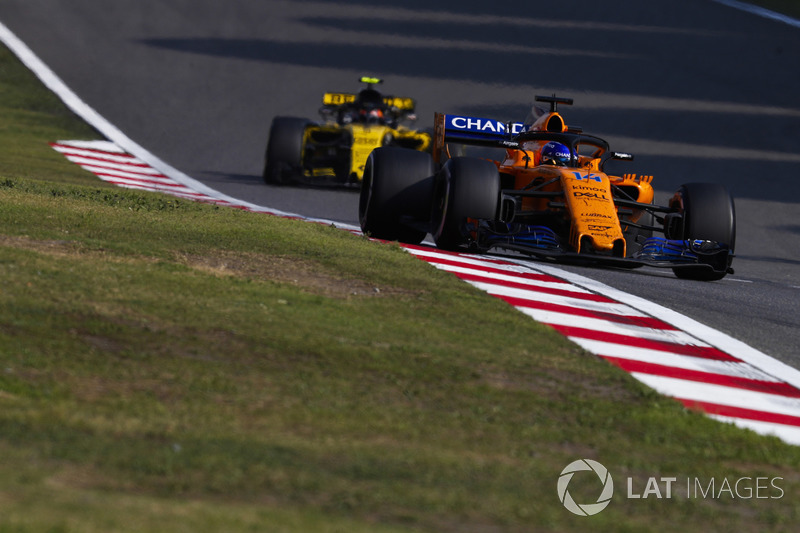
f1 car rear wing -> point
(400, 103)
(459, 129)
(472, 130)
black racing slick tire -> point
(708, 214)
(466, 188)
(284, 155)
(396, 194)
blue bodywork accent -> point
(659, 249)
(539, 237)
(476, 128)
(542, 241)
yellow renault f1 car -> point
(548, 196)
(334, 151)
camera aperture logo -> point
(585, 509)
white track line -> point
(715, 338)
(786, 433)
(719, 377)
(733, 397)
(760, 11)
(675, 360)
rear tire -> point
(284, 155)
(396, 191)
(466, 187)
(708, 214)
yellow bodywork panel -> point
(336, 149)
(365, 139)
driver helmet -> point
(555, 153)
(372, 116)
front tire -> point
(466, 187)
(396, 192)
(284, 155)
(708, 214)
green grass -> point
(173, 366)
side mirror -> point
(621, 156)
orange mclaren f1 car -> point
(549, 196)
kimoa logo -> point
(586, 509)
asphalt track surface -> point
(697, 90)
